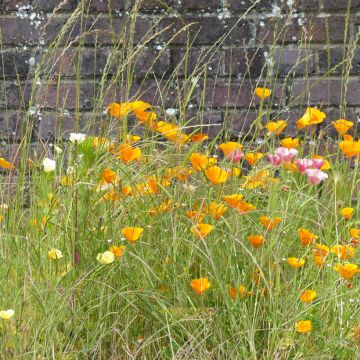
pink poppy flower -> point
(317, 163)
(235, 156)
(315, 176)
(286, 155)
(303, 164)
(275, 160)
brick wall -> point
(296, 47)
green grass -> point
(142, 305)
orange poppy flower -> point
(230, 147)
(200, 161)
(117, 250)
(6, 164)
(347, 271)
(326, 166)
(200, 285)
(126, 191)
(276, 127)
(241, 292)
(312, 116)
(308, 296)
(201, 230)
(306, 237)
(233, 200)
(290, 143)
(295, 263)
(128, 154)
(347, 213)
(155, 184)
(319, 260)
(118, 111)
(342, 126)
(262, 93)
(321, 250)
(194, 215)
(350, 148)
(132, 234)
(216, 210)
(198, 137)
(108, 176)
(303, 326)
(256, 241)
(216, 175)
(270, 224)
(244, 207)
(253, 158)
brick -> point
(325, 92)
(100, 30)
(293, 61)
(207, 30)
(206, 122)
(51, 5)
(248, 62)
(294, 31)
(338, 4)
(196, 4)
(195, 59)
(238, 94)
(15, 63)
(13, 4)
(152, 62)
(333, 114)
(335, 60)
(18, 31)
(65, 62)
(11, 125)
(66, 96)
(56, 125)
(239, 123)
(244, 5)
(14, 95)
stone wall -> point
(296, 47)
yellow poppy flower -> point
(312, 116)
(7, 314)
(262, 93)
(55, 254)
(276, 127)
(342, 126)
(303, 326)
(201, 230)
(230, 147)
(106, 257)
(295, 263)
(216, 175)
(347, 213)
(290, 143)
(253, 158)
